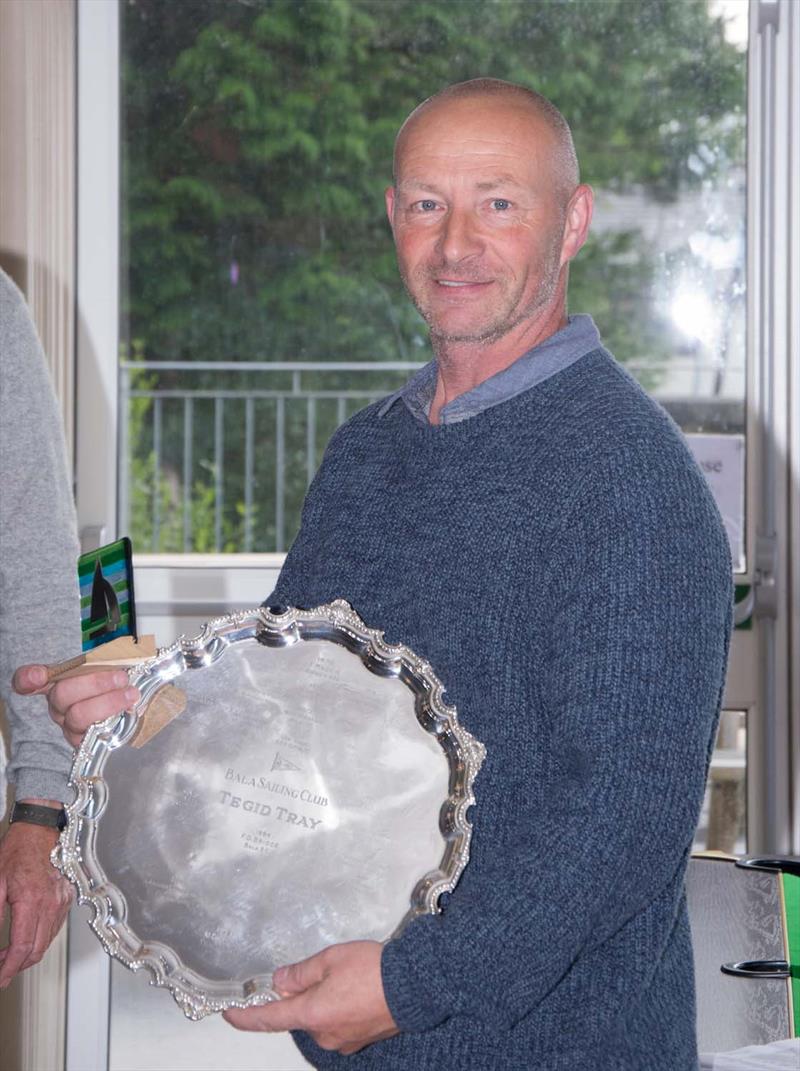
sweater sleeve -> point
(630, 690)
(39, 603)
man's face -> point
(477, 220)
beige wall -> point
(37, 249)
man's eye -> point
(500, 204)
(426, 205)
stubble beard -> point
(503, 322)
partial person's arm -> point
(33, 892)
(642, 597)
(39, 618)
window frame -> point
(175, 592)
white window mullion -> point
(772, 203)
(97, 269)
(97, 320)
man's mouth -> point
(461, 282)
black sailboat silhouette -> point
(105, 605)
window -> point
(723, 822)
(260, 301)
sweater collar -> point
(559, 351)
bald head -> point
(562, 157)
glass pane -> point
(261, 304)
(723, 821)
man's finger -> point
(41, 941)
(74, 690)
(28, 680)
(274, 1017)
(81, 715)
(16, 959)
(78, 702)
(21, 942)
(39, 945)
(297, 977)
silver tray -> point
(314, 790)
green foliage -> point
(258, 140)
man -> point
(39, 612)
(525, 518)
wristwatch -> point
(37, 815)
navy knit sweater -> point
(560, 562)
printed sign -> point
(721, 458)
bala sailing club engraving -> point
(277, 788)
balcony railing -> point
(217, 455)
(206, 417)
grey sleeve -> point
(39, 600)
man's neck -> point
(462, 366)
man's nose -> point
(459, 237)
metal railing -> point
(289, 392)
(202, 419)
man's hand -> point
(75, 703)
(36, 894)
(335, 996)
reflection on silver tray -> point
(315, 790)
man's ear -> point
(576, 224)
(389, 195)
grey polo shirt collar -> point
(559, 351)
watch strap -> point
(38, 815)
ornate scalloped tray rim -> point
(192, 993)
